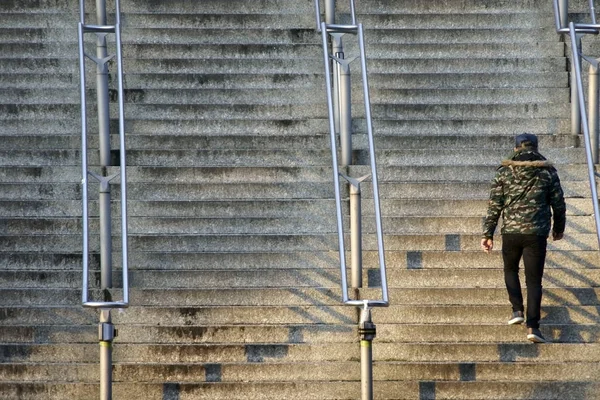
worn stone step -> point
(276, 243)
(215, 316)
(139, 141)
(294, 278)
(348, 371)
(380, 80)
(308, 223)
(244, 296)
(368, 17)
(290, 126)
(297, 96)
(503, 390)
(298, 333)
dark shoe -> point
(517, 318)
(534, 335)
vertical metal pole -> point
(336, 49)
(356, 234)
(336, 172)
(367, 331)
(102, 87)
(593, 110)
(330, 11)
(106, 334)
(345, 103)
(575, 109)
(104, 151)
(586, 133)
(563, 9)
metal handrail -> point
(325, 29)
(593, 28)
(318, 15)
(586, 132)
(84, 163)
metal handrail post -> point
(575, 70)
(106, 330)
(336, 173)
(375, 180)
(102, 96)
(106, 334)
(563, 13)
(587, 141)
(593, 108)
(356, 230)
(356, 235)
(344, 99)
(367, 331)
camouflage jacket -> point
(526, 191)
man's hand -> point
(487, 245)
(557, 236)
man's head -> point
(526, 140)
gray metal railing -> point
(338, 84)
(106, 330)
(581, 122)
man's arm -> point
(495, 205)
(559, 208)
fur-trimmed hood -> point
(535, 163)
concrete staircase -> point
(235, 281)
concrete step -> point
(346, 371)
(412, 259)
(471, 126)
(305, 65)
(556, 293)
(300, 50)
(370, 18)
(315, 141)
(500, 335)
(277, 112)
(216, 316)
(293, 278)
(277, 243)
(294, 78)
(297, 96)
(320, 223)
(428, 390)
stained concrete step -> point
(322, 390)
(227, 174)
(295, 278)
(387, 356)
(297, 96)
(314, 141)
(251, 260)
(306, 224)
(61, 124)
(294, 78)
(300, 50)
(370, 18)
(215, 316)
(555, 294)
(502, 390)
(306, 65)
(345, 371)
(500, 334)
(259, 111)
(276, 243)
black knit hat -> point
(526, 137)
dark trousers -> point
(532, 249)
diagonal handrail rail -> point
(104, 181)
(585, 127)
(357, 29)
(575, 31)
